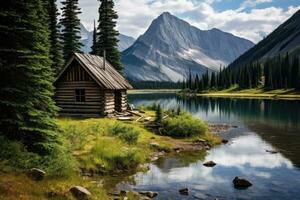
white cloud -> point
(252, 3)
(135, 16)
(252, 25)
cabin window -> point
(80, 95)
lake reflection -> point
(262, 125)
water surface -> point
(262, 125)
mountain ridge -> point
(87, 40)
(285, 38)
(171, 48)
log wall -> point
(65, 99)
(109, 102)
(98, 101)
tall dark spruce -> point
(71, 28)
(54, 37)
(94, 46)
(107, 34)
(26, 105)
(282, 71)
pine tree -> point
(93, 47)
(55, 45)
(71, 28)
(26, 105)
(107, 34)
(189, 81)
(196, 83)
(213, 80)
(158, 114)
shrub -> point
(130, 137)
(14, 156)
(126, 133)
(183, 125)
(113, 157)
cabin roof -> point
(108, 78)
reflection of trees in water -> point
(282, 113)
(283, 138)
(183, 159)
(279, 112)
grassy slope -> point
(234, 92)
(92, 147)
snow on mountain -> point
(171, 47)
(87, 40)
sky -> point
(250, 19)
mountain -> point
(125, 42)
(87, 40)
(171, 47)
(84, 33)
(286, 38)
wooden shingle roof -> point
(108, 78)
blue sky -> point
(250, 19)
(235, 4)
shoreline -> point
(251, 96)
(146, 91)
(258, 93)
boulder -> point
(36, 174)
(271, 151)
(123, 193)
(207, 147)
(154, 145)
(209, 164)
(130, 107)
(184, 191)
(240, 183)
(154, 158)
(149, 194)
(80, 192)
(224, 141)
(199, 140)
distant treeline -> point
(156, 85)
(274, 73)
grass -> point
(15, 157)
(109, 155)
(95, 146)
(127, 133)
(235, 92)
(19, 186)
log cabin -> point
(89, 86)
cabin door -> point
(120, 100)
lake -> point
(262, 125)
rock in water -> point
(272, 151)
(240, 183)
(209, 164)
(224, 141)
(80, 193)
(149, 194)
(36, 174)
(184, 191)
